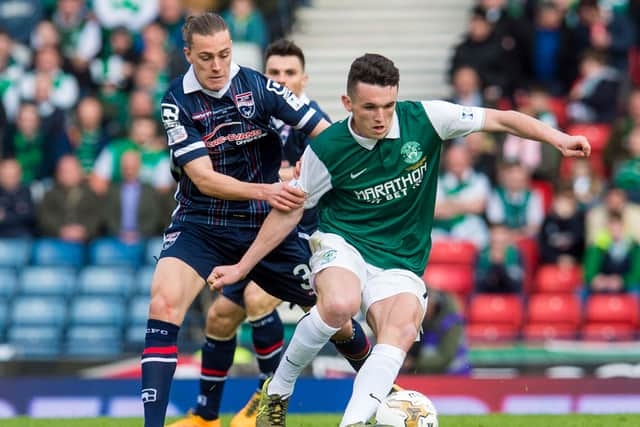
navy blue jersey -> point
(232, 127)
(293, 144)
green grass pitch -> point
(332, 421)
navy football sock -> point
(217, 358)
(356, 348)
(159, 361)
(268, 339)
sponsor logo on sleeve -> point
(176, 134)
(466, 114)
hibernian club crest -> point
(411, 152)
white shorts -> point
(331, 250)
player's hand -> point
(224, 275)
(284, 197)
(575, 146)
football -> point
(407, 408)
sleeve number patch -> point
(290, 98)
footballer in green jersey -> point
(373, 176)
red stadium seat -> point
(595, 160)
(558, 107)
(545, 190)
(553, 279)
(487, 332)
(608, 332)
(546, 331)
(621, 308)
(453, 252)
(449, 278)
(597, 134)
(496, 309)
(554, 309)
(529, 251)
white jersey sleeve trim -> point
(189, 148)
(315, 179)
(453, 120)
(305, 119)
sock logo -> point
(202, 400)
(157, 331)
(294, 364)
(373, 397)
(149, 395)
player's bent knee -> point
(336, 312)
(162, 308)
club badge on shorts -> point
(169, 239)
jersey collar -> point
(191, 84)
(369, 143)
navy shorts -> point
(284, 273)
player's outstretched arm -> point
(211, 183)
(275, 228)
(527, 127)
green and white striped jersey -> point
(379, 195)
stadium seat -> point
(138, 310)
(453, 252)
(38, 342)
(143, 280)
(152, 250)
(608, 332)
(97, 311)
(4, 316)
(558, 107)
(93, 341)
(494, 317)
(57, 252)
(597, 134)
(38, 311)
(103, 280)
(51, 281)
(111, 251)
(620, 308)
(449, 278)
(552, 316)
(553, 279)
(8, 282)
(545, 190)
(14, 252)
(528, 249)
(134, 336)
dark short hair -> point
(284, 47)
(205, 24)
(373, 69)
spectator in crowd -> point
(64, 87)
(612, 262)
(601, 30)
(467, 89)
(627, 175)
(499, 266)
(587, 185)
(131, 14)
(81, 36)
(158, 50)
(615, 203)
(171, 16)
(514, 204)
(442, 348)
(482, 148)
(246, 23)
(20, 18)
(11, 69)
(52, 118)
(117, 63)
(143, 137)
(131, 206)
(17, 211)
(562, 236)
(37, 153)
(553, 57)
(534, 102)
(69, 210)
(87, 134)
(45, 35)
(616, 150)
(461, 200)
(481, 50)
(593, 98)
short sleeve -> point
(315, 179)
(185, 141)
(289, 108)
(453, 120)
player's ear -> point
(346, 101)
(187, 54)
(305, 79)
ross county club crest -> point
(245, 104)
(411, 152)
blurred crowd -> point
(83, 152)
(573, 65)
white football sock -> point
(311, 334)
(373, 382)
